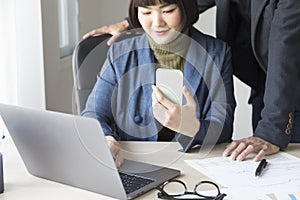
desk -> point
(19, 184)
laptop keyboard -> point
(132, 182)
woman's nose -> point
(158, 21)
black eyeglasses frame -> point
(164, 195)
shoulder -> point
(128, 53)
(210, 50)
(208, 42)
(130, 43)
(214, 47)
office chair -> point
(88, 58)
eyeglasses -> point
(176, 189)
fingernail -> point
(239, 158)
(232, 157)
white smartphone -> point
(170, 83)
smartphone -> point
(170, 83)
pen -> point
(263, 163)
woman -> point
(130, 107)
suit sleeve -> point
(282, 74)
(203, 5)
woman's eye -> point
(168, 11)
(146, 13)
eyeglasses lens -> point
(174, 188)
(207, 190)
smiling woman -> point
(130, 107)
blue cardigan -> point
(121, 98)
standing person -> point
(265, 39)
(128, 105)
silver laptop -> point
(72, 150)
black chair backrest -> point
(88, 58)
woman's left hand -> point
(178, 118)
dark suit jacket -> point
(267, 53)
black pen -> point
(263, 163)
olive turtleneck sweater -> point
(171, 55)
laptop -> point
(72, 150)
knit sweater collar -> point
(171, 55)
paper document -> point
(281, 174)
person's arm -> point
(112, 29)
(282, 74)
(281, 84)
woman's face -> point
(162, 22)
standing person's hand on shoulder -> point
(112, 29)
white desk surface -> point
(19, 184)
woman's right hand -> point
(115, 149)
(113, 29)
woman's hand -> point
(115, 149)
(178, 118)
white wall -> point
(31, 89)
(8, 64)
(21, 48)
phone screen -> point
(170, 83)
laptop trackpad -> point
(131, 166)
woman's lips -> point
(160, 32)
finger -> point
(249, 149)
(189, 97)
(230, 148)
(112, 39)
(160, 113)
(86, 35)
(162, 99)
(91, 33)
(236, 152)
(259, 155)
(119, 159)
(153, 93)
(114, 146)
